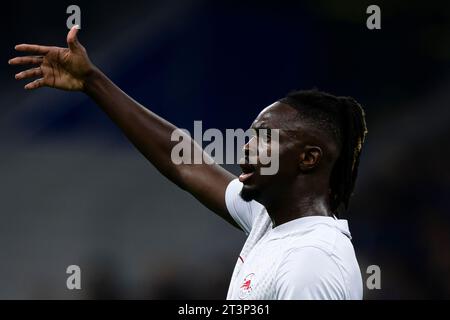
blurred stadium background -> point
(74, 191)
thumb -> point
(72, 39)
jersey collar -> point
(304, 225)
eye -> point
(252, 134)
(264, 135)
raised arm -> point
(70, 69)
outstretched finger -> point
(30, 73)
(35, 84)
(26, 60)
(72, 39)
(32, 48)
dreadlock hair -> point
(344, 119)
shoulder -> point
(309, 272)
(319, 264)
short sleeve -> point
(309, 273)
(243, 212)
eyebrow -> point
(259, 126)
(288, 132)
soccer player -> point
(296, 248)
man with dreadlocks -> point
(297, 248)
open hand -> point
(61, 68)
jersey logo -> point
(246, 287)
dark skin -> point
(299, 189)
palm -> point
(62, 68)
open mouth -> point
(247, 172)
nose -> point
(245, 154)
(246, 149)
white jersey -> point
(305, 258)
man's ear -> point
(310, 158)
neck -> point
(300, 200)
